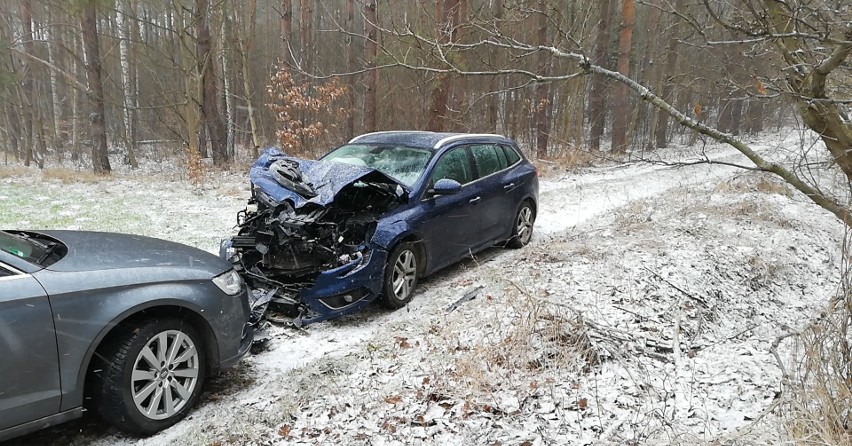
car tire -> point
(136, 395)
(400, 276)
(522, 226)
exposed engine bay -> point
(305, 218)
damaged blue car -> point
(320, 239)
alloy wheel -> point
(404, 274)
(165, 375)
(525, 222)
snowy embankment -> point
(643, 312)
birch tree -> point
(129, 90)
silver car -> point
(130, 325)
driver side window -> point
(5, 272)
(453, 165)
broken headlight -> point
(230, 282)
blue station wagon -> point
(320, 239)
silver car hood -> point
(94, 251)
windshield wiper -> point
(47, 252)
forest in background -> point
(208, 77)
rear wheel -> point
(400, 276)
(151, 375)
(522, 228)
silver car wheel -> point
(165, 375)
(524, 227)
(404, 274)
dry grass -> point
(820, 385)
(635, 214)
(570, 159)
(754, 183)
(763, 272)
(71, 176)
(539, 340)
(15, 171)
(818, 380)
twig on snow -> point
(470, 295)
(685, 293)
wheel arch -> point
(155, 309)
(420, 250)
(532, 201)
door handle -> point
(475, 200)
(509, 186)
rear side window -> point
(453, 165)
(511, 155)
(488, 159)
(5, 272)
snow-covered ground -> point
(642, 313)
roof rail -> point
(463, 136)
(378, 133)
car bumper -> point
(245, 346)
(234, 332)
(343, 290)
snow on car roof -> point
(423, 139)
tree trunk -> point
(598, 90)
(620, 104)
(724, 123)
(826, 118)
(306, 8)
(95, 90)
(29, 96)
(494, 81)
(441, 93)
(286, 29)
(662, 128)
(246, 45)
(226, 80)
(54, 95)
(350, 65)
(127, 82)
(210, 92)
(11, 106)
(371, 54)
(76, 152)
(755, 116)
(543, 102)
(736, 116)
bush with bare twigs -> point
(818, 382)
(306, 112)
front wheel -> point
(400, 276)
(151, 375)
(522, 227)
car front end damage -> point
(304, 242)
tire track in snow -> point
(568, 201)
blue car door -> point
(29, 362)
(450, 223)
(494, 209)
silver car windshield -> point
(404, 164)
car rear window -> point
(511, 155)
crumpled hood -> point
(93, 251)
(327, 178)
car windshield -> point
(31, 247)
(404, 164)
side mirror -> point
(446, 186)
